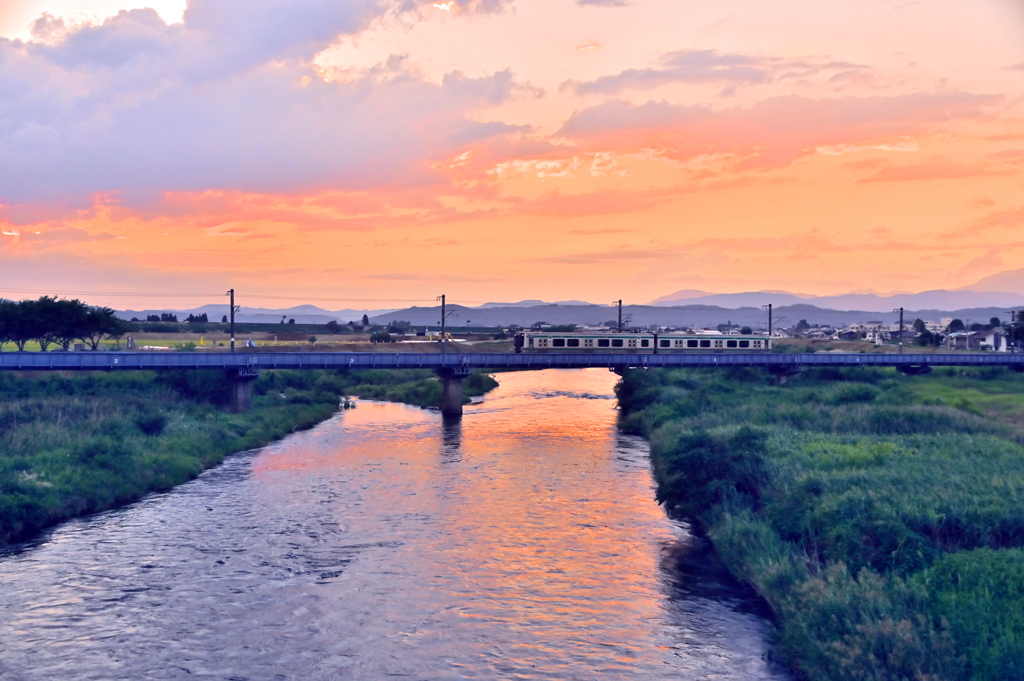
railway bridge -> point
(243, 367)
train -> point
(641, 343)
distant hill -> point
(926, 300)
(534, 303)
(302, 314)
(1010, 280)
(696, 316)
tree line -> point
(50, 321)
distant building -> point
(967, 340)
(995, 340)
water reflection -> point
(451, 438)
(521, 542)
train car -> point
(642, 343)
(677, 343)
(583, 342)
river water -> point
(521, 543)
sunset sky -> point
(358, 152)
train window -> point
(665, 343)
(632, 342)
(744, 344)
(603, 342)
(616, 342)
(645, 343)
(705, 344)
(691, 343)
(558, 342)
(573, 342)
(588, 343)
(757, 344)
(730, 344)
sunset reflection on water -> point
(520, 542)
(529, 526)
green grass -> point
(865, 506)
(419, 387)
(72, 444)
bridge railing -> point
(115, 361)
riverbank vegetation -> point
(880, 516)
(72, 444)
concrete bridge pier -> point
(782, 372)
(241, 388)
(451, 396)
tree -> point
(366, 320)
(802, 325)
(919, 326)
(291, 321)
(746, 331)
(380, 337)
(72, 318)
(43, 320)
(956, 325)
(101, 322)
(312, 340)
(8, 314)
(994, 322)
(399, 326)
(333, 327)
(16, 325)
(224, 319)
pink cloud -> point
(709, 66)
(937, 169)
(770, 133)
(1011, 218)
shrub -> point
(851, 392)
(980, 594)
(698, 471)
(151, 423)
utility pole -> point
(769, 308)
(619, 303)
(231, 293)
(1015, 318)
(900, 310)
(444, 317)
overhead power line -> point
(346, 300)
(150, 294)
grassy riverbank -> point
(881, 516)
(77, 444)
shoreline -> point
(856, 504)
(74, 445)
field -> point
(72, 444)
(220, 342)
(880, 516)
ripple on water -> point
(521, 542)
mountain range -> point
(997, 290)
(989, 297)
(302, 314)
(871, 302)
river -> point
(520, 543)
